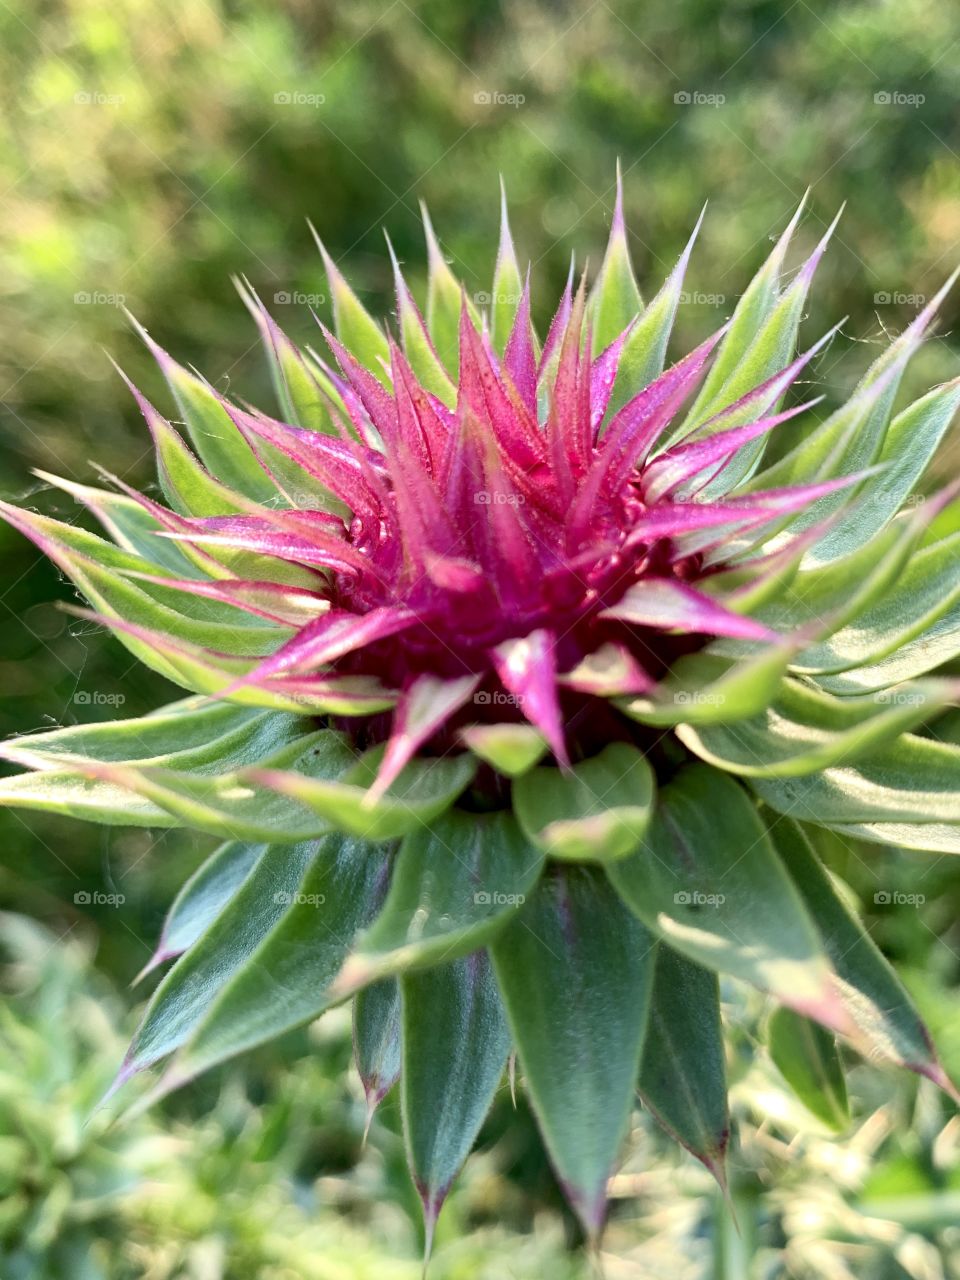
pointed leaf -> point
(804, 730)
(807, 1058)
(710, 883)
(682, 1070)
(455, 1047)
(455, 884)
(376, 1039)
(576, 969)
(875, 997)
(203, 897)
(287, 980)
(424, 789)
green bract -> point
(521, 696)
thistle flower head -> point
(532, 666)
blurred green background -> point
(149, 151)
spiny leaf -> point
(455, 1047)
(876, 999)
(807, 1058)
(286, 981)
(804, 730)
(202, 898)
(376, 1040)
(718, 893)
(682, 1070)
(456, 883)
(576, 969)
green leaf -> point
(417, 345)
(807, 1058)
(850, 439)
(456, 883)
(910, 444)
(594, 812)
(615, 299)
(511, 749)
(422, 791)
(377, 1040)
(303, 390)
(237, 805)
(355, 327)
(95, 771)
(129, 524)
(879, 1005)
(760, 342)
(645, 350)
(203, 897)
(183, 998)
(928, 588)
(805, 730)
(286, 980)
(221, 447)
(682, 1070)
(507, 282)
(575, 969)
(75, 796)
(827, 597)
(190, 734)
(455, 1047)
(443, 301)
(902, 793)
(710, 883)
(711, 687)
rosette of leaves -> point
(522, 676)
